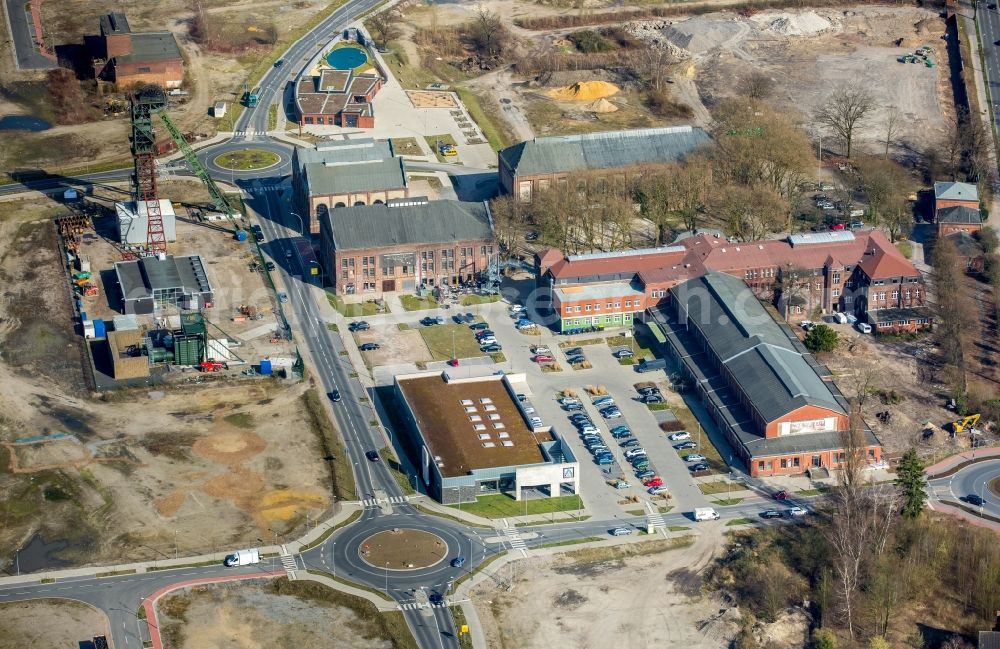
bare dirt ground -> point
(594, 594)
(210, 464)
(395, 346)
(253, 616)
(66, 624)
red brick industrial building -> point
(129, 58)
(337, 98)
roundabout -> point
(976, 485)
(403, 549)
(249, 159)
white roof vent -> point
(489, 444)
(507, 442)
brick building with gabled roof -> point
(129, 58)
(337, 98)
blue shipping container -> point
(99, 329)
(83, 316)
(265, 366)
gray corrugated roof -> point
(602, 150)
(959, 214)
(153, 46)
(358, 177)
(772, 372)
(904, 313)
(141, 277)
(950, 191)
(345, 151)
(376, 226)
(989, 640)
(115, 23)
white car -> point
(635, 452)
(488, 340)
(656, 491)
(516, 308)
(536, 422)
(807, 324)
(694, 457)
(586, 430)
(542, 349)
(526, 325)
(798, 511)
(529, 410)
(679, 437)
(864, 327)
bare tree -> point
(883, 182)
(756, 86)
(893, 122)
(749, 213)
(385, 25)
(487, 34)
(270, 31)
(845, 111)
(789, 285)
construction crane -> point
(147, 102)
(969, 422)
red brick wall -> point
(117, 45)
(945, 229)
(941, 204)
(805, 413)
(167, 73)
(772, 464)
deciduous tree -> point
(385, 25)
(844, 111)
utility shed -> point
(133, 222)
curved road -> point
(972, 480)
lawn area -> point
(810, 492)
(414, 303)
(502, 506)
(491, 128)
(639, 344)
(717, 487)
(352, 310)
(272, 117)
(738, 521)
(406, 146)
(586, 539)
(247, 159)
(572, 342)
(432, 141)
(725, 502)
(471, 300)
(444, 339)
(906, 248)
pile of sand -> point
(601, 106)
(805, 23)
(703, 33)
(584, 91)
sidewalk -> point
(980, 83)
(974, 455)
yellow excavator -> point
(969, 421)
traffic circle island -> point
(403, 549)
(247, 160)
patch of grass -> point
(402, 326)
(726, 502)
(717, 487)
(580, 343)
(552, 367)
(248, 159)
(678, 528)
(464, 639)
(200, 564)
(627, 361)
(332, 327)
(434, 512)
(503, 506)
(444, 339)
(354, 310)
(706, 448)
(811, 492)
(414, 303)
(389, 626)
(610, 553)
(739, 521)
(445, 138)
(325, 535)
(586, 539)
(272, 117)
(498, 357)
(472, 300)
(906, 248)
(552, 521)
(642, 512)
(432, 181)
(48, 580)
(405, 146)
(332, 445)
(239, 419)
(658, 406)
(469, 575)
(115, 573)
(639, 344)
(492, 128)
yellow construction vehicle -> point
(969, 421)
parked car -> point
(478, 326)
(837, 226)
(629, 443)
(649, 389)
(269, 266)
(562, 401)
(679, 437)
(652, 398)
(654, 481)
(372, 455)
(685, 445)
(535, 422)
(645, 474)
(770, 513)
(282, 297)
(807, 324)
(488, 340)
(542, 358)
(492, 348)
(588, 429)
(694, 457)
(579, 416)
(604, 459)
(620, 531)
(797, 511)
(484, 333)
(619, 430)
(430, 321)
(623, 353)
(700, 466)
(573, 407)
(635, 452)
(542, 349)
(780, 495)
(529, 410)
(576, 360)
(864, 327)
(517, 308)
(573, 350)
(656, 491)
(603, 401)
(611, 413)
(521, 326)
(358, 325)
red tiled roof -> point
(632, 263)
(882, 260)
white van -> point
(840, 317)
(705, 514)
(864, 327)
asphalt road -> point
(972, 480)
(19, 24)
(989, 27)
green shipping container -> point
(188, 350)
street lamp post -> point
(302, 222)
(175, 544)
(333, 560)
(386, 577)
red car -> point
(655, 481)
(837, 226)
(542, 358)
(780, 495)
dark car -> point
(573, 407)
(368, 347)
(780, 495)
(359, 325)
(491, 349)
(458, 562)
(259, 236)
(974, 500)
(649, 389)
(700, 466)
(269, 265)
(576, 360)
(334, 396)
(372, 455)
(572, 351)
(477, 326)
(429, 321)
(652, 398)
(483, 333)
(770, 513)
(685, 445)
(279, 63)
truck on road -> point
(705, 514)
(646, 365)
(242, 558)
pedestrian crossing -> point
(288, 563)
(249, 134)
(375, 502)
(413, 606)
(513, 537)
(655, 518)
